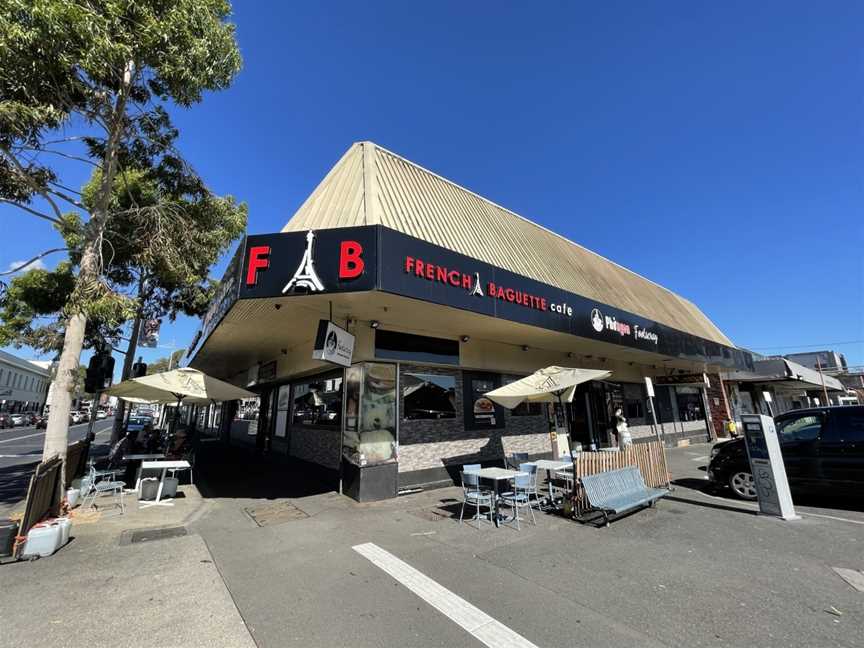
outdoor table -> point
(496, 475)
(140, 457)
(163, 466)
(550, 466)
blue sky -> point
(714, 148)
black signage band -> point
(378, 258)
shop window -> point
(690, 403)
(428, 396)
(634, 403)
(318, 401)
(480, 412)
(523, 409)
(370, 414)
(391, 345)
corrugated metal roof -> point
(372, 186)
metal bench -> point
(619, 491)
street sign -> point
(649, 386)
(766, 465)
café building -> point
(373, 324)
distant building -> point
(829, 361)
(23, 384)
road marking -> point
(699, 458)
(851, 576)
(473, 620)
(29, 436)
(831, 517)
(798, 511)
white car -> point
(75, 417)
(101, 414)
(17, 419)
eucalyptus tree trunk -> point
(57, 430)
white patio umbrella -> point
(184, 385)
(549, 385)
(178, 386)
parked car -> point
(5, 421)
(41, 422)
(101, 414)
(139, 423)
(18, 419)
(823, 450)
(75, 417)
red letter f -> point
(257, 261)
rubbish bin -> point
(169, 487)
(149, 488)
(8, 531)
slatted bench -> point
(619, 491)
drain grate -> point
(148, 535)
(275, 513)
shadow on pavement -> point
(240, 474)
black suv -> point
(823, 449)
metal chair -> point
(100, 483)
(533, 490)
(520, 497)
(516, 459)
(473, 495)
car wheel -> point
(742, 485)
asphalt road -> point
(21, 449)
(700, 569)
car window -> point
(848, 425)
(800, 428)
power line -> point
(824, 345)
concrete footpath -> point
(106, 588)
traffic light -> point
(100, 371)
(139, 369)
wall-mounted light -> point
(464, 338)
(524, 347)
(277, 306)
(374, 324)
(284, 351)
(569, 354)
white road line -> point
(699, 459)
(830, 517)
(755, 507)
(29, 436)
(473, 620)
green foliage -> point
(160, 365)
(92, 80)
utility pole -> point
(822, 378)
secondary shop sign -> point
(333, 344)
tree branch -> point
(33, 260)
(30, 210)
(77, 158)
(72, 201)
(29, 180)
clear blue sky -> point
(715, 148)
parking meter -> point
(766, 465)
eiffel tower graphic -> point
(305, 275)
(477, 290)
